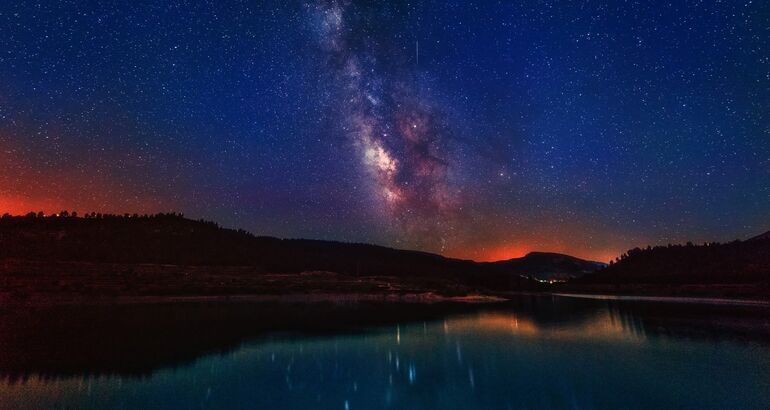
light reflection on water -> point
(602, 357)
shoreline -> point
(26, 283)
(342, 299)
(424, 298)
(668, 299)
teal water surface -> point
(538, 353)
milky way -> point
(397, 134)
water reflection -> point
(535, 352)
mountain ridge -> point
(736, 262)
(760, 237)
(173, 239)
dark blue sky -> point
(579, 127)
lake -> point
(534, 352)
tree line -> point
(712, 262)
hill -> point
(737, 262)
(761, 237)
(546, 266)
(174, 240)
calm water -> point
(541, 352)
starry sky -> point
(480, 130)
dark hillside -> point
(546, 266)
(173, 239)
(735, 262)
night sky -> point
(480, 130)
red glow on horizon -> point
(508, 251)
(19, 206)
(493, 254)
(27, 186)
